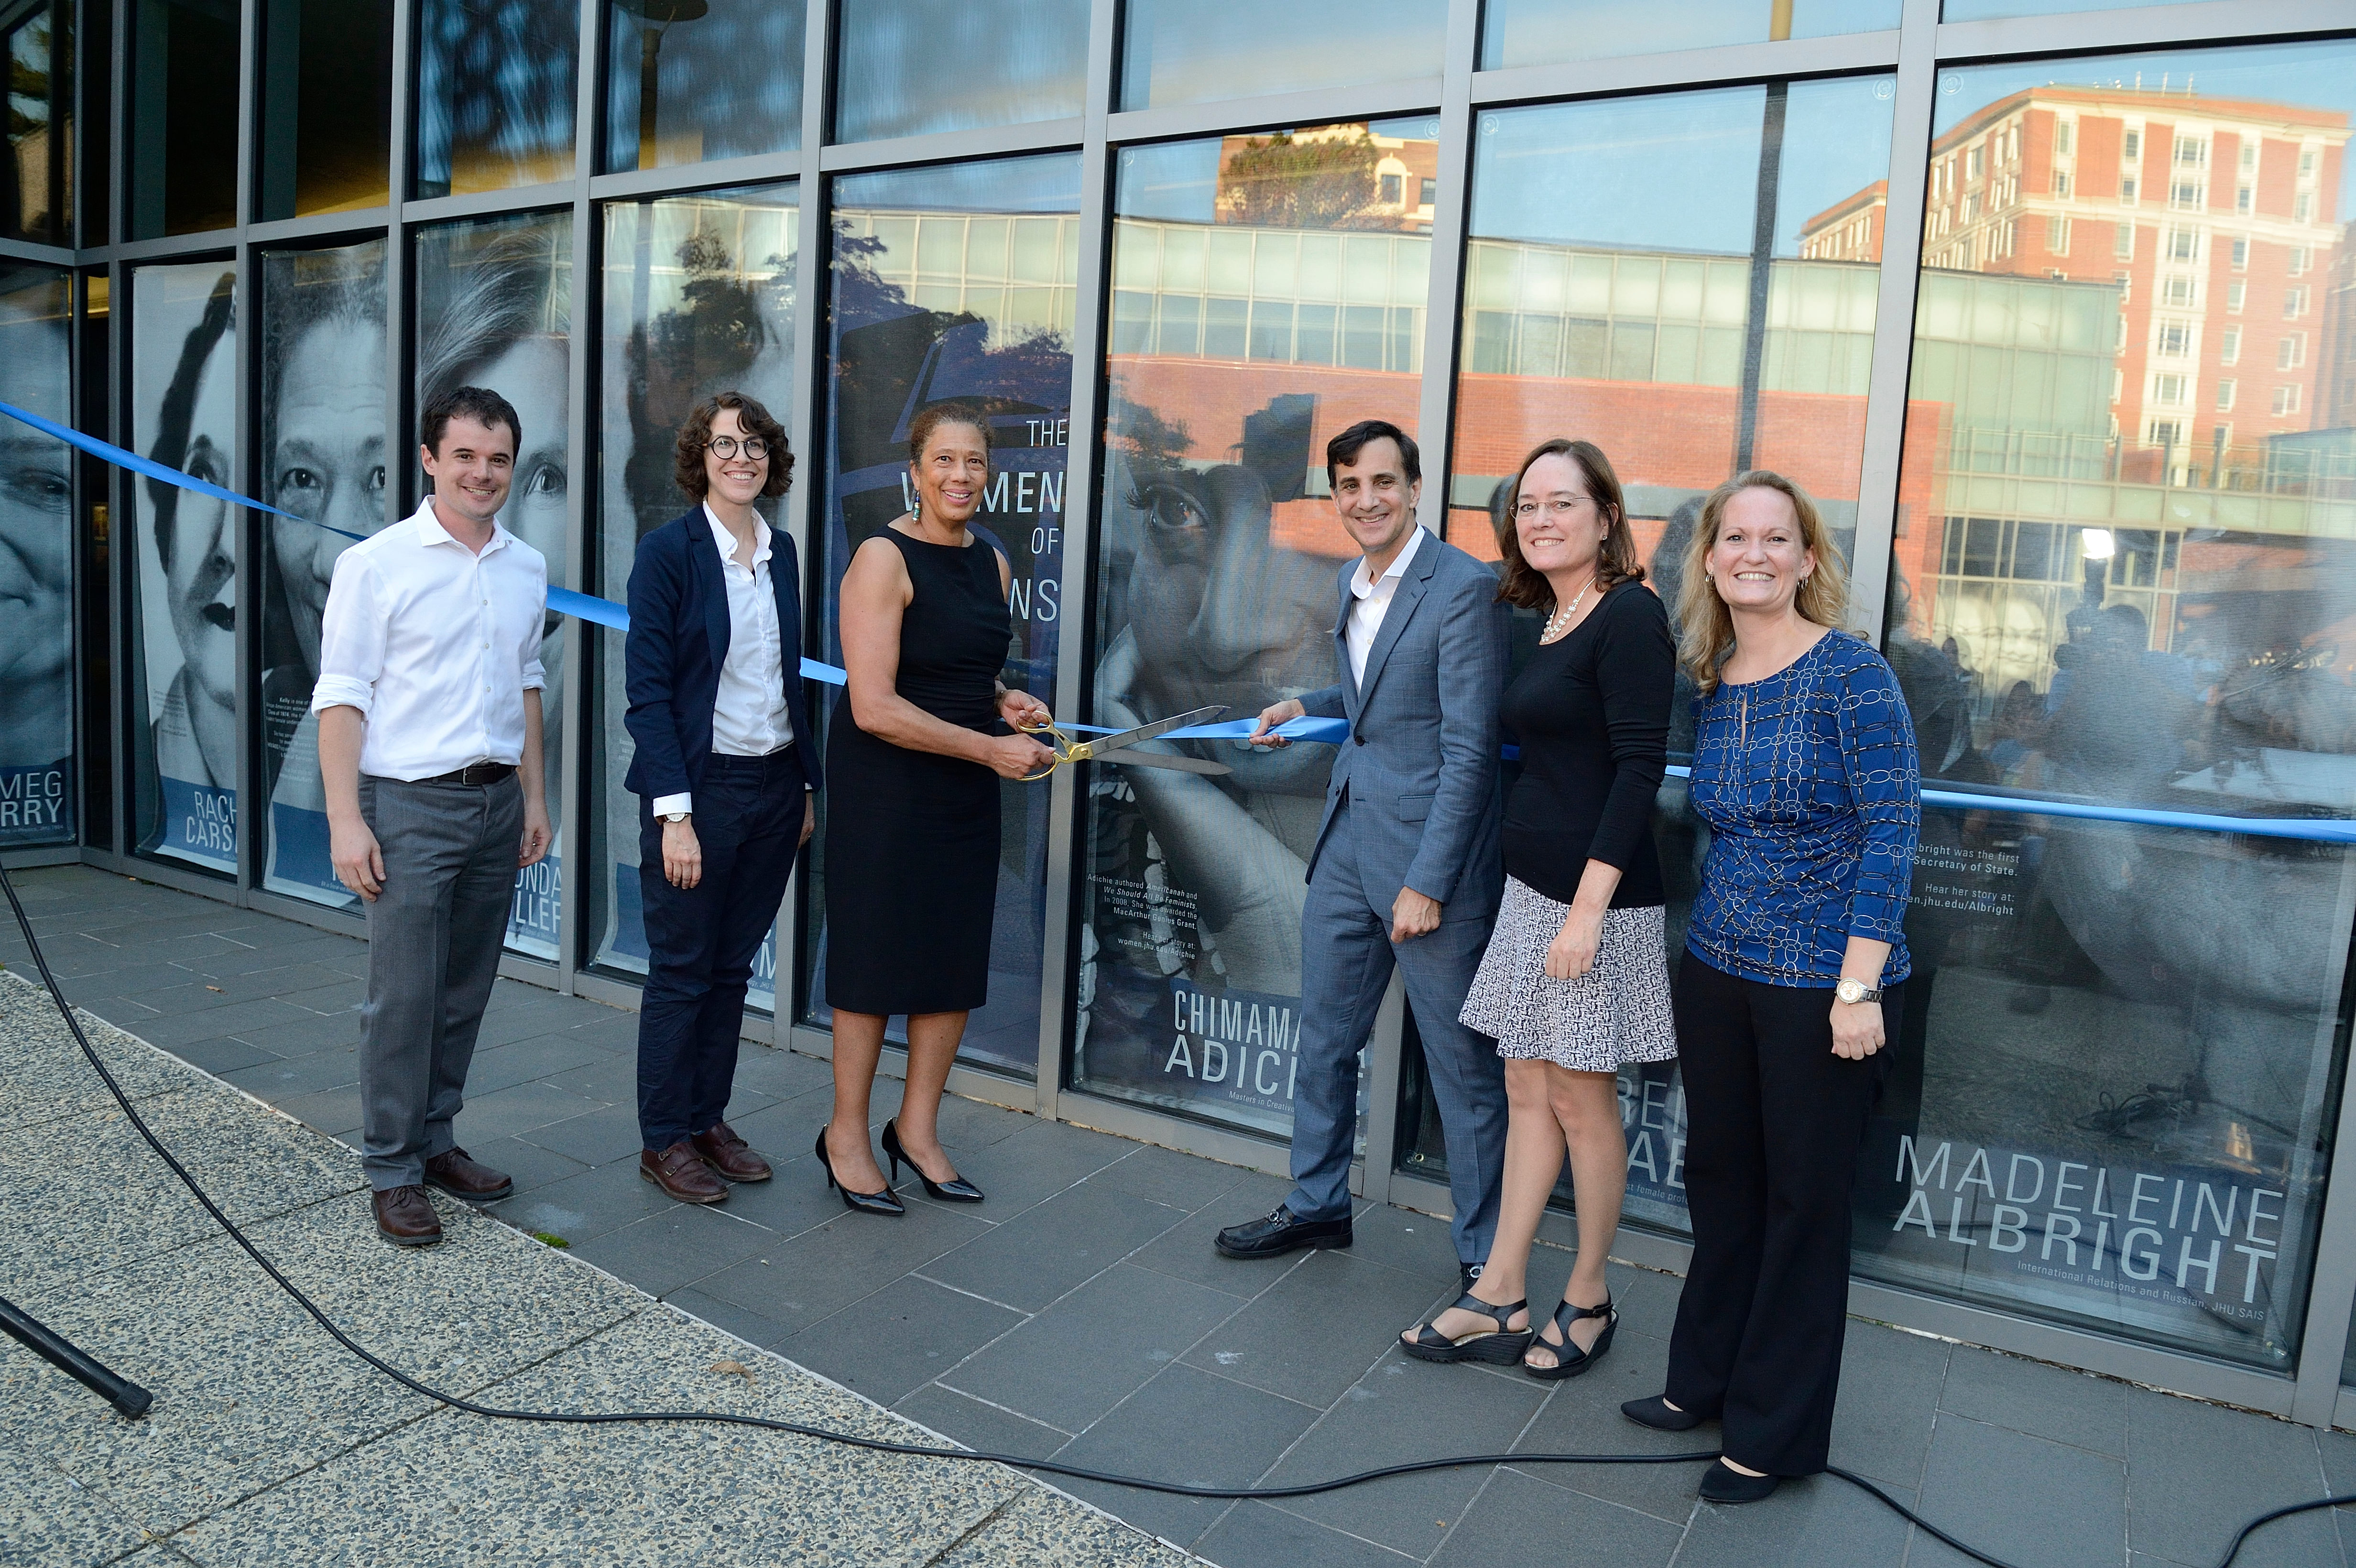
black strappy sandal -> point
(1500, 1346)
(1570, 1361)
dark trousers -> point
(1773, 1122)
(702, 940)
(435, 934)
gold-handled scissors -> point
(1115, 748)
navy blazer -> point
(677, 643)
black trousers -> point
(1773, 1122)
(702, 940)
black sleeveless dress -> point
(912, 837)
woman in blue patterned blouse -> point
(1804, 769)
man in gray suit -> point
(1406, 867)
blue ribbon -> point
(1327, 731)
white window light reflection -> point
(2098, 544)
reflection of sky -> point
(915, 66)
(1533, 32)
(2311, 76)
(1200, 52)
(1047, 183)
(1674, 171)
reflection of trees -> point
(707, 341)
(1287, 182)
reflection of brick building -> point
(2213, 218)
(1401, 176)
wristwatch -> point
(676, 816)
(1856, 991)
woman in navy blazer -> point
(723, 769)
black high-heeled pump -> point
(955, 1189)
(883, 1203)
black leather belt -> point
(474, 773)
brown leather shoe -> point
(680, 1171)
(462, 1176)
(405, 1216)
(731, 1156)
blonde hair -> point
(1705, 629)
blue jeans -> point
(702, 940)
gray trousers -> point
(1347, 954)
(434, 936)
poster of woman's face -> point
(323, 459)
(183, 414)
(494, 309)
(36, 563)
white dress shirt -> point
(435, 645)
(1371, 601)
(748, 718)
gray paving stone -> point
(46, 1516)
(1402, 1410)
(1583, 1417)
(682, 1244)
(597, 1137)
(784, 1073)
(571, 1063)
(980, 1425)
(1315, 1331)
(300, 1037)
(169, 1029)
(1819, 1521)
(1052, 1246)
(1183, 1425)
(334, 1112)
(1035, 1531)
(49, 1077)
(2037, 1503)
(2077, 1408)
(1184, 1250)
(747, 1325)
(1402, 1238)
(1167, 1177)
(1520, 1519)
(1261, 1535)
(901, 1338)
(531, 1166)
(519, 1109)
(591, 1202)
(1037, 1163)
(2196, 1472)
(1889, 1381)
(818, 1271)
(220, 1056)
(280, 1079)
(1075, 1360)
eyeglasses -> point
(724, 447)
(1560, 506)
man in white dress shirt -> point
(428, 700)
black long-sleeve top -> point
(1591, 715)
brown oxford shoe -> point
(405, 1216)
(462, 1176)
(731, 1156)
(680, 1171)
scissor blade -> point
(1101, 744)
(1160, 760)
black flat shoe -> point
(1656, 1413)
(1722, 1484)
(1283, 1232)
(955, 1189)
(883, 1203)
(1570, 1361)
(1498, 1345)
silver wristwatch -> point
(1856, 991)
(676, 816)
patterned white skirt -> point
(1616, 1013)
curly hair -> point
(1704, 628)
(1616, 562)
(755, 421)
(934, 415)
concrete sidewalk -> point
(1080, 1313)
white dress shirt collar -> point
(429, 530)
(1361, 584)
(726, 540)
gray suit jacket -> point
(1420, 765)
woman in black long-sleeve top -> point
(1575, 981)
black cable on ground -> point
(881, 1446)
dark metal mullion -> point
(1762, 263)
(570, 787)
(244, 466)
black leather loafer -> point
(1283, 1232)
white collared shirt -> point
(435, 645)
(1370, 601)
(748, 717)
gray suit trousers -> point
(1347, 954)
(435, 934)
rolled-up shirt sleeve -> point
(1885, 780)
(535, 677)
(351, 638)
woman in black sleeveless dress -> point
(913, 755)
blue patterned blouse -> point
(1809, 783)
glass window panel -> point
(495, 93)
(182, 700)
(183, 116)
(897, 349)
(1017, 61)
(699, 298)
(2115, 1088)
(323, 457)
(35, 185)
(327, 106)
(495, 309)
(690, 81)
(36, 677)
(1992, 10)
(1216, 557)
(1201, 51)
(1547, 32)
